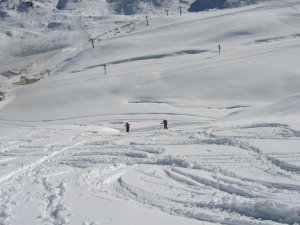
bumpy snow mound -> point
(285, 107)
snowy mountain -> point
(201, 5)
(129, 7)
(72, 73)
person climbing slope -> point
(127, 125)
(165, 122)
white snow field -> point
(231, 154)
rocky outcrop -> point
(202, 5)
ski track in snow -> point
(138, 166)
(54, 206)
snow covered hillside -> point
(226, 80)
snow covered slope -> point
(201, 5)
(230, 155)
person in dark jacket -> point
(165, 122)
(127, 125)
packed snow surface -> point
(231, 154)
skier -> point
(165, 122)
(127, 125)
(219, 46)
